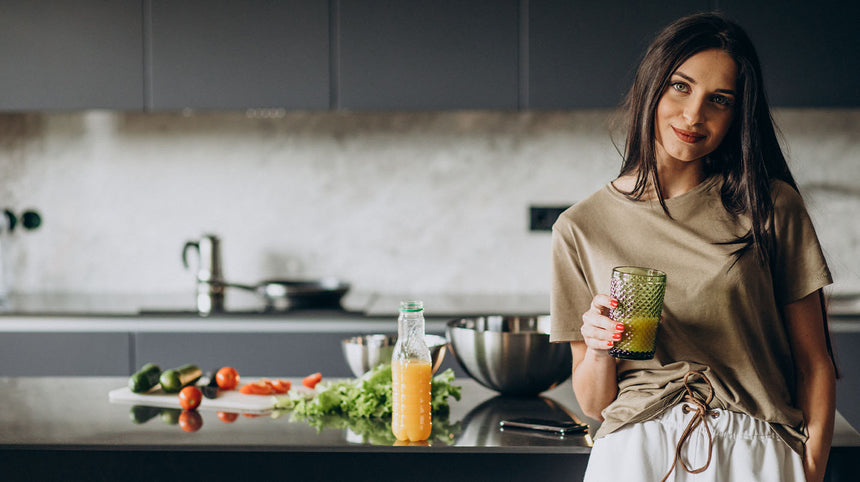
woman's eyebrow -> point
(693, 81)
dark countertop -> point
(65, 428)
(73, 413)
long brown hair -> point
(749, 157)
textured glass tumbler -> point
(639, 292)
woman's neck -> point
(675, 179)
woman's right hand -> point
(598, 331)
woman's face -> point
(695, 111)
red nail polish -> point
(619, 327)
(610, 344)
(613, 303)
(617, 336)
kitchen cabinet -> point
(224, 54)
(809, 50)
(845, 345)
(584, 55)
(258, 354)
(413, 54)
(60, 55)
(64, 354)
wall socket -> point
(541, 218)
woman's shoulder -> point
(785, 196)
(588, 209)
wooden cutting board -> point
(230, 400)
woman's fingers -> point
(598, 330)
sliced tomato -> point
(256, 389)
(260, 387)
(281, 386)
(311, 380)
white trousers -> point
(743, 449)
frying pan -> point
(290, 294)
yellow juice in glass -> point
(637, 341)
(410, 391)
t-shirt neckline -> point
(674, 201)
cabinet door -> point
(64, 354)
(585, 54)
(848, 386)
(810, 51)
(252, 354)
(61, 55)
(415, 54)
(223, 54)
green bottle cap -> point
(411, 306)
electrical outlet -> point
(541, 218)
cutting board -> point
(230, 400)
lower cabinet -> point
(64, 354)
(253, 354)
(848, 386)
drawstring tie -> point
(699, 418)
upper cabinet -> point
(389, 54)
(584, 54)
(223, 54)
(61, 55)
(810, 51)
(418, 54)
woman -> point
(742, 384)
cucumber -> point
(175, 379)
(144, 380)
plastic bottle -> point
(410, 372)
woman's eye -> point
(680, 87)
(722, 100)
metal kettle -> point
(210, 277)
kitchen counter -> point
(62, 425)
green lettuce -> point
(367, 397)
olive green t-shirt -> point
(721, 315)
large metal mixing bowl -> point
(509, 354)
(368, 351)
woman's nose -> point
(693, 111)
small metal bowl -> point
(510, 354)
(365, 352)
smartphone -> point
(546, 425)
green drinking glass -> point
(639, 292)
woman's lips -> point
(687, 136)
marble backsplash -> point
(423, 202)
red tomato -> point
(190, 398)
(260, 387)
(190, 420)
(227, 378)
(311, 380)
(281, 386)
(228, 417)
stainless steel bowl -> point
(509, 354)
(369, 351)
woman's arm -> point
(595, 381)
(816, 381)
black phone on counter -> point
(561, 427)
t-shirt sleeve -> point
(569, 296)
(799, 265)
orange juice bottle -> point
(410, 374)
